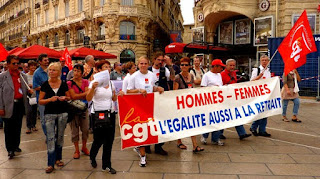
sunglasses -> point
(15, 63)
(184, 65)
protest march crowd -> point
(85, 99)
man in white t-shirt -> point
(197, 71)
(213, 78)
(161, 73)
(262, 72)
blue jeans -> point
(214, 136)
(261, 123)
(42, 120)
(296, 105)
(240, 130)
(55, 125)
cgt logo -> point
(300, 42)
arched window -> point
(80, 36)
(127, 55)
(56, 40)
(127, 31)
(39, 41)
(101, 31)
(67, 38)
(47, 41)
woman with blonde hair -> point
(143, 82)
(54, 94)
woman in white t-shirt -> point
(130, 67)
(143, 82)
(102, 98)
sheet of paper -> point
(102, 78)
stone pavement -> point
(293, 151)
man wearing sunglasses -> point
(13, 98)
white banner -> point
(188, 112)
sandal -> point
(85, 151)
(182, 146)
(198, 149)
(285, 119)
(28, 131)
(34, 129)
(59, 163)
(296, 120)
(76, 155)
(49, 169)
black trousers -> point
(12, 127)
(105, 137)
(32, 116)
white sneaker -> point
(136, 149)
(220, 143)
(143, 161)
(203, 140)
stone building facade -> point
(14, 22)
(217, 12)
(125, 28)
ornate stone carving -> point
(110, 24)
(143, 24)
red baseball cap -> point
(217, 62)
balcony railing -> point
(127, 37)
(2, 23)
(56, 44)
(11, 18)
(21, 13)
(101, 37)
(45, 2)
(37, 5)
(78, 41)
(67, 42)
(15, 36)
(6, 4)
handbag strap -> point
(74, 83)
(184, 82)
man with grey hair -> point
(262, 72)
(229, 76)
(89, 67)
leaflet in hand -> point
(102, 78)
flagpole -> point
(270, 61)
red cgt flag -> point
(3, 53)
(297, 45)
(66, 56)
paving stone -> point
(202, 176)
(295, 169)
(234, 168)
(166, 167)
(61, 174)
(271, 177)
(125, 175)
(302, 158)
(282, 149)
(9, 173)
(261, 158)
(85, 165)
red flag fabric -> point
(3, 53)
(297, 44)
(66, 57)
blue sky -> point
(187, 12)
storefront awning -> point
(192, 48)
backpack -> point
(162, 78)
(194, 71)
